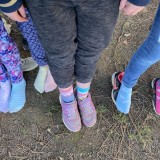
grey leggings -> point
(74, 33)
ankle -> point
(82, 90)
(67, 94)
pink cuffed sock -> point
(50, 84)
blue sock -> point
(5, 90)
(123, 101)
(18, 96)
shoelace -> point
(24, 60)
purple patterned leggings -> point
(9, 54)
(9, 57)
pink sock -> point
(50, 84)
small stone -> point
(41, 143)
(126, 24)
(81, 154)
(125, 42)
(49, 130)
(127, 34)
(61, 158)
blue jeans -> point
(145, 56)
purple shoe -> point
(87, 111)
(156, 95)
(70, 115)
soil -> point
(37, 131)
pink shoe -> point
(156, 95)
(70, 115)
(87, 111)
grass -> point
(101, 109)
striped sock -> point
(67, 94)
(82, 90)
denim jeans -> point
(145, 56)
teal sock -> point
(123, 101)
(18, 96)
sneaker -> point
(116, 84)
(87, 111)
(70, 115)
(156, 95)
(28, 64)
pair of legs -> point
(74, 33)
(147, 55)
(13, 94)
(12, 87)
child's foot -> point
(121, 95)
(156, 95)
(87, 111)
(28, 64)
(70, 115)
(50, 84)
(5, 90)
(18, 96)
(39, 83)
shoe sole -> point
(89, 126)
(112, 80)
(65, 123)
(27, 70)
(154, 107)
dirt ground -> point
(37, 132)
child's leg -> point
(145, 56)
(5, 89)
(70, 113)
(10, 57)
(57, 31)
(38, 53)
(30, 34)
(94, 34)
